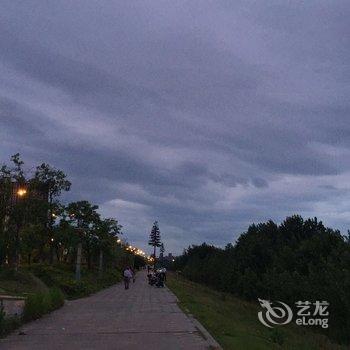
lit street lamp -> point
(22, 192)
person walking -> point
(127, 277)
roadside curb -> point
(213, 344)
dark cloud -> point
(259, 182)
(206, 116)
(16, 120)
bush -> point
(63, 277)
(7, 324)
(75, 289)
(34, 307)
(39, 304)
(56, 298)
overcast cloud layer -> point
(204, 115)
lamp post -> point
(79, 250)
(52, 218)
(20, 193)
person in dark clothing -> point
(151, 279)
(160, 279)
(133, 274)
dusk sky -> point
(204, 115)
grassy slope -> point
(37, 278)
(63, 277)
(234, 323)
(20, 283)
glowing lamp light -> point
(22, 192)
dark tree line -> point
(296, 260)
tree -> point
(12, 209)
(107, 232)
(83, 215)
(296, 260)
(17, 172)
(53, 181)
(162, 250)
(32, 221)
(154, 238)
(32, 239)
(65, 240)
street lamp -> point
(22, 192)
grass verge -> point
(63, 277)
(20, 283)
(234, 323)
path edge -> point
(213, 344)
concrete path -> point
(142, 317)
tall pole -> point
(78, 264)
(20, 194)
(50, 228)
(100, 267)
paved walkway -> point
(142, 317)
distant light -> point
(52, 239)
(21, 192)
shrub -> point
(39, 304)
(7, 324)
(35, 306)
(56, 298)
(63, 278)
(75, 289)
